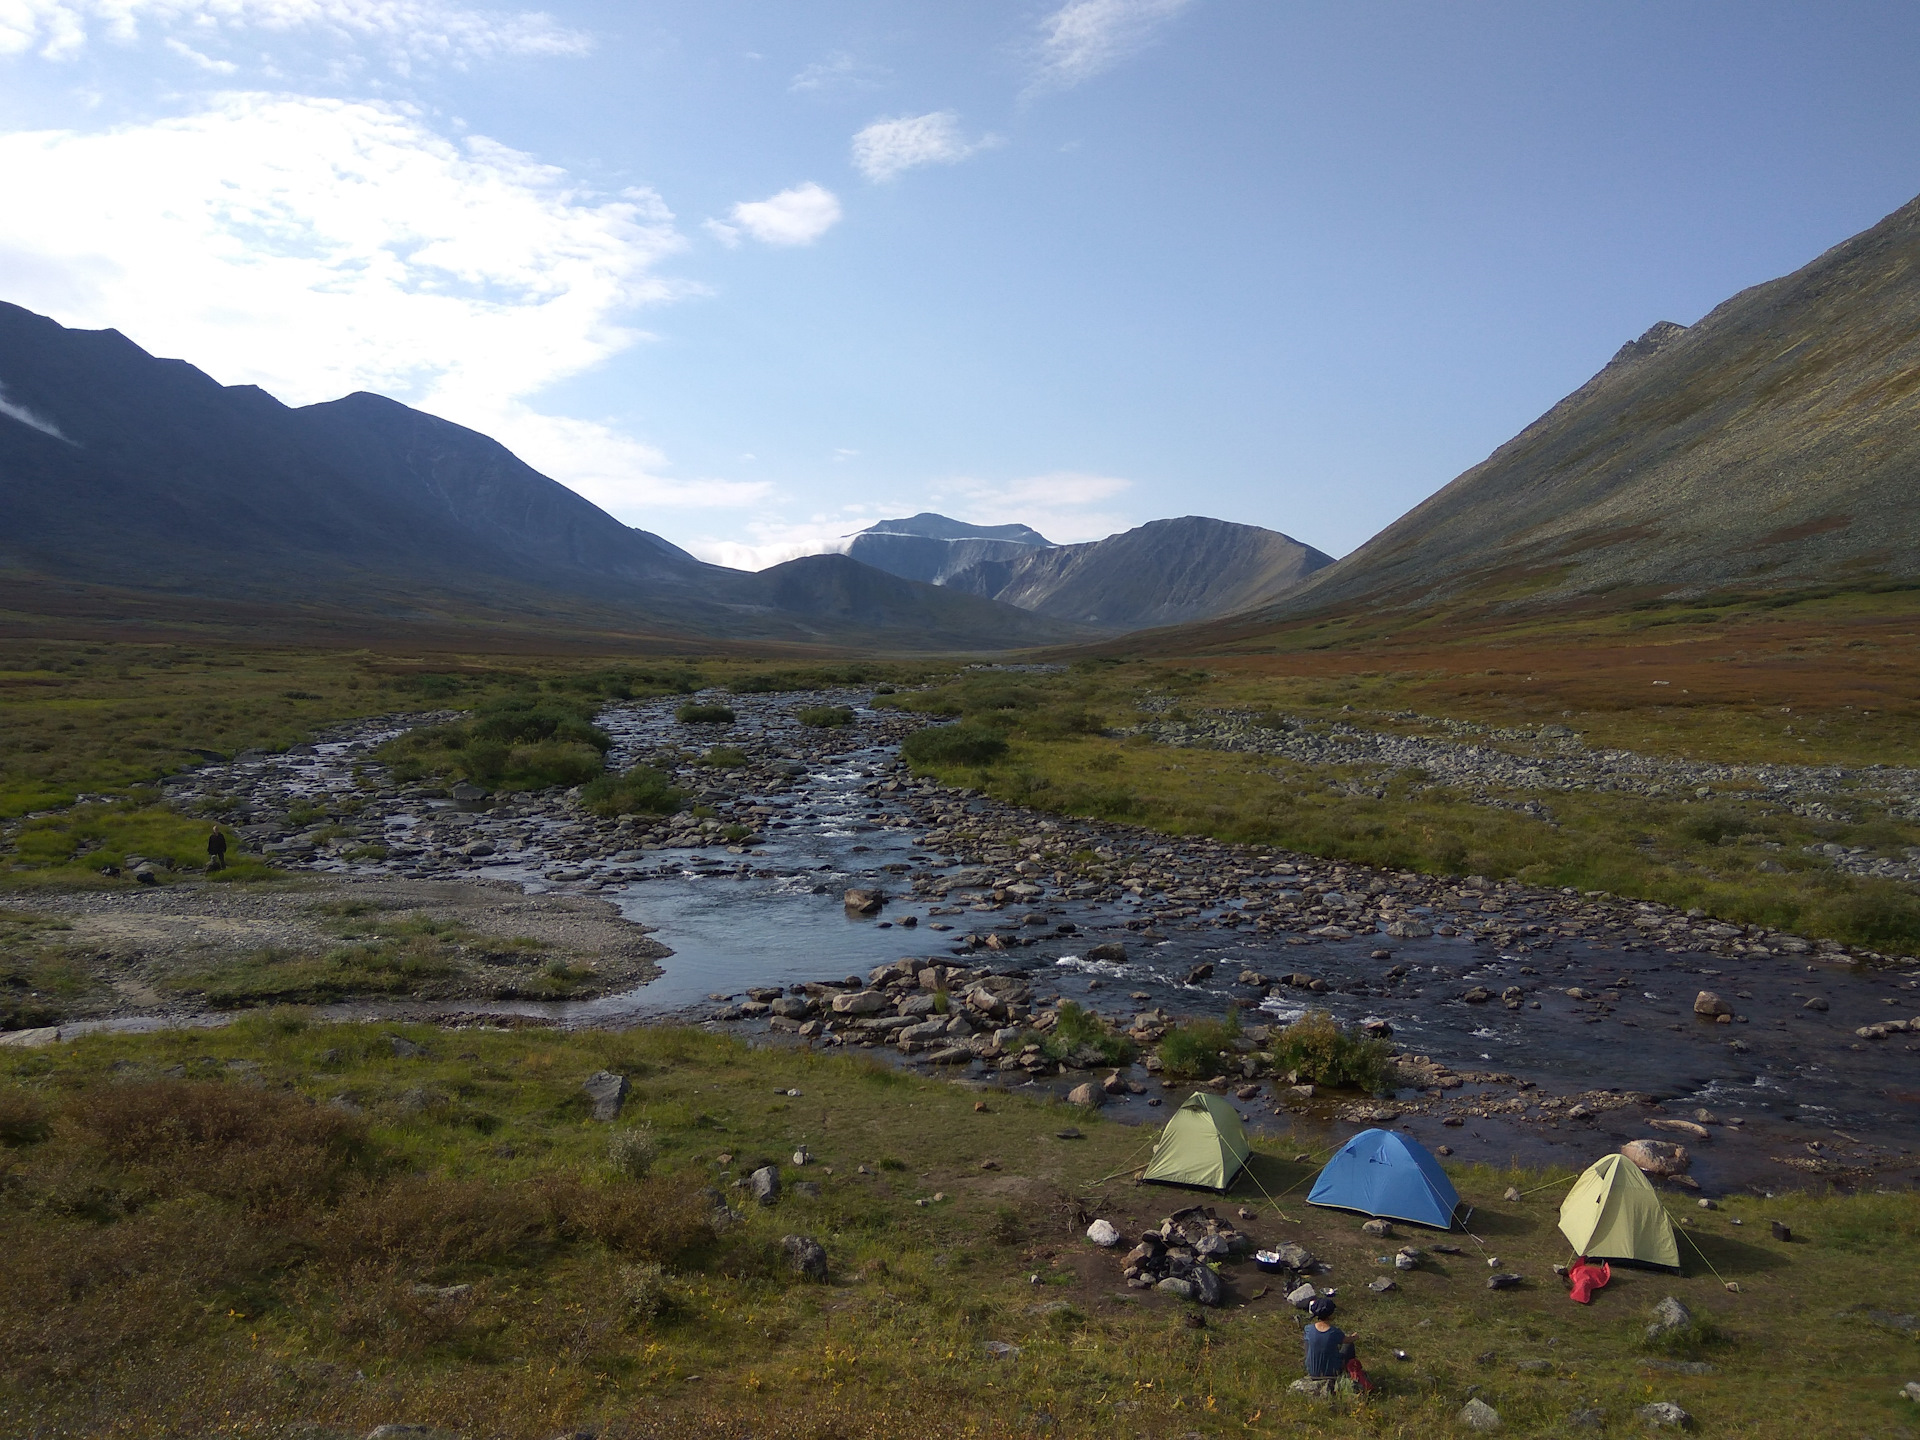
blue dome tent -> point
(1388, 1176)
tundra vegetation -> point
(342, 1226)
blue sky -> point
(754, 274)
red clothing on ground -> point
(1586, 1277)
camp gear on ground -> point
(1269, 1261)
(1613, 1211)
(1203, 1145)
(1359, 1377)
(1586, 1277)
(1387, 1176)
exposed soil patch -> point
(190, 947)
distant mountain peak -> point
(929, 526)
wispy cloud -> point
(1084, 38)
(838, 74)
(1064, 505)
(887, 148)
(417, 29)
(774, 542)
(316, 247)
(28, 418)
(796, 216)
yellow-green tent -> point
(1612, 1213)
(1202, 1145)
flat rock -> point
(1658, 1157)
(1666, 1414)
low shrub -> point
(1080, 1029)
(631, 1152)
(1195, 1050)
(695, 713)
(639, 791)
(962, 744)
(825, 717)
(724, 757)
(1324, 1054)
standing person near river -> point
(217, 849)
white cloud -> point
(315, 247)
(887, 148)
(838, 73)
(28, 418)
(204, 62)
(417, 29)
(1083, 38)
(774, 542)
(1063, 505)
(796, 216)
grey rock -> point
(790, 1007)
(1301, 1296)
(1503, 1280)
(1379, 1229)
(1664, 1413)
(1382, 1285)
(1177, 1286)
(1476, 1414)
(1001, 1350)
(1207, 1286)
(764, 1184)
(608, 1092)
(405, 1049)
(1669, 1315)
(1089, 1095)
(1294, 1257)
(806, 1257)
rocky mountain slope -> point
(1775, 444)
(1166, 572)
(934, 548)
(117, 468)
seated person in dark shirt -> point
(1328, 1349)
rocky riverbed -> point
(1542, 1024)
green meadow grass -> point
(280, 1223)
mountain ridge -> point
(130, 470)
(1774, 443)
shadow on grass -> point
(1704, 1254)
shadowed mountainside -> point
(1773, 445)
(1166, 572)
(119, 469)
(934, 548)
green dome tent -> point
(1613, 1213)
(1202, 1145)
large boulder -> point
(1658, 1157)
(806, 1257)
(608, 1092)
(1090, 1095)
(860, 1002)
(864, 902)
(764, 1184)
(1710, 1004)
(1669, 1315)
(1103, 1234)
(1476, 1414)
